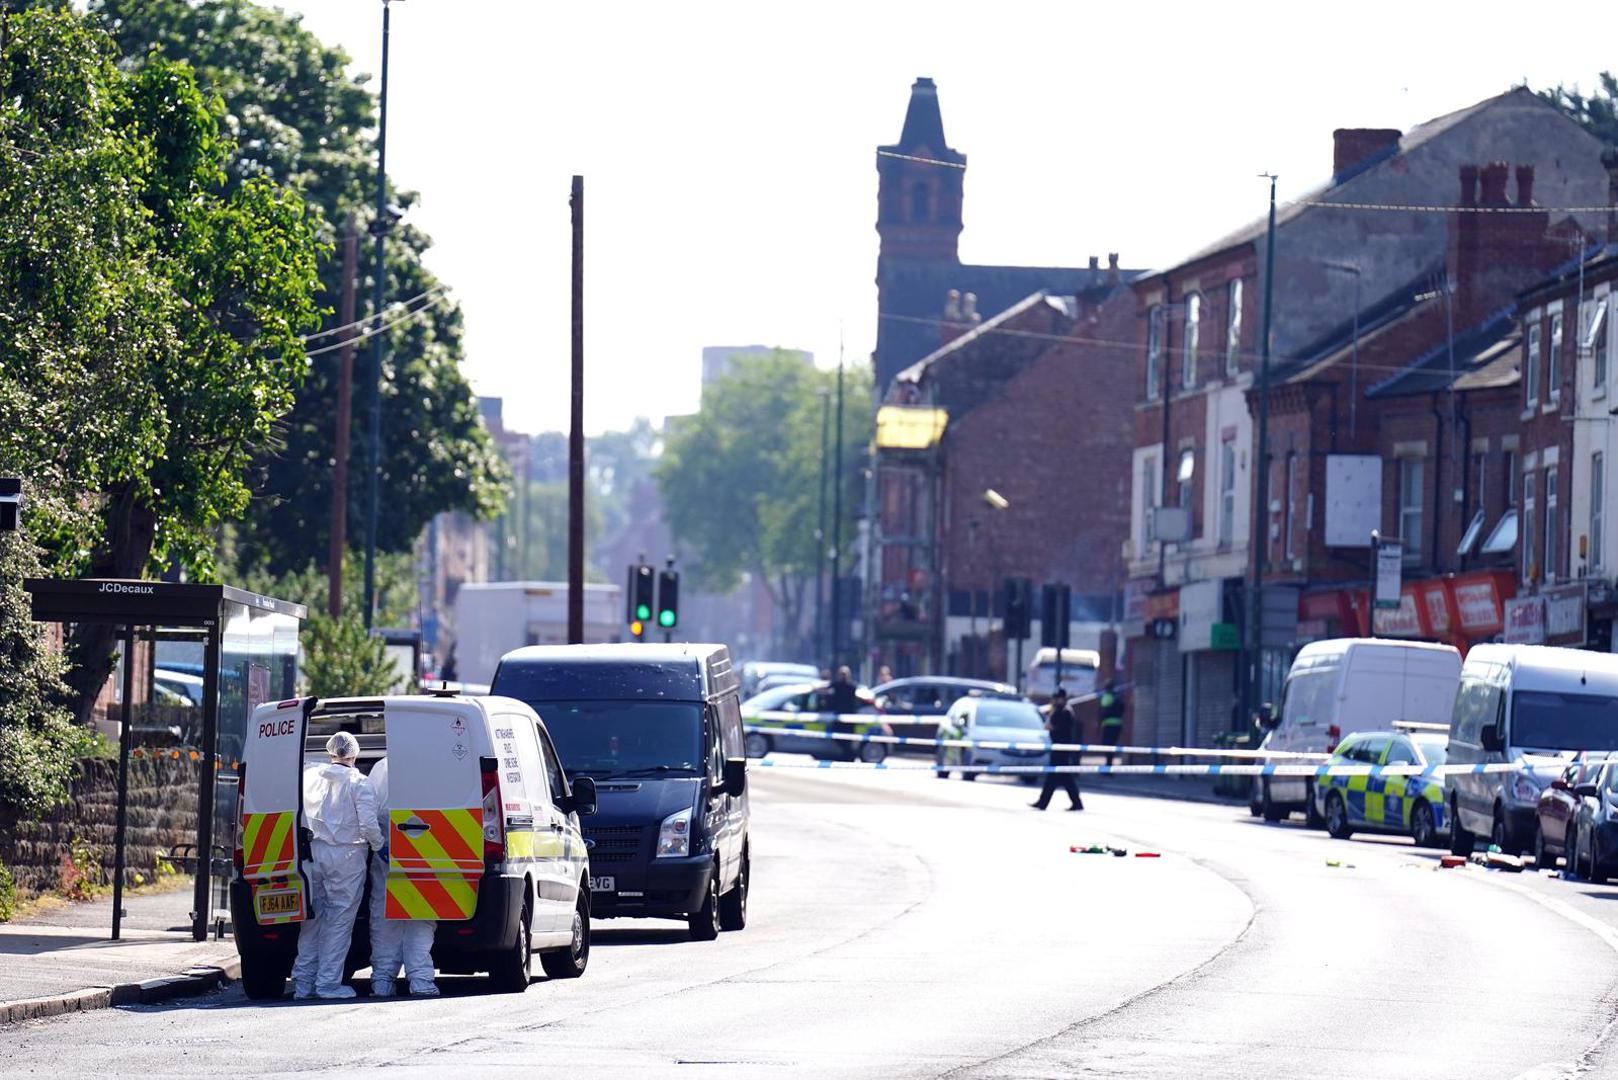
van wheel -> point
(512, 969)
(1461, 842)
(1337, 818)
(1422, 830)
(756, 744)
(1271, 812)
(704, 922)
(261, 979)
(1501, 836)
(569, 963)
(733, 905)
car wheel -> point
(757, 744)
(1596, 875)
(872, 753)
(262, 980)
(1461, 842)
(733, 905)
(704, 922)
(1542, 858)
(1501, 836)
(1571, 850)
(1337, 817)
(1255, 804)
(513, 968)
(569, 963)
(941, 766)
(1311, 813)
(1422, 829)
(1270, 811)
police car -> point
(796, 715)
(1413, 805)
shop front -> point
(1151, 626)
(1458, 609)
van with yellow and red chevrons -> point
(483, 835)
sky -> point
(728, 151)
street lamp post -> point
(379, 229)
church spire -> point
(919, 186)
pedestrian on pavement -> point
(395, 941)
(340, 810)
(1064, 728)
(843, 699)
(1112, 718)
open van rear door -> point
(272, 812)
(436, 813)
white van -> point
(1078, 673)
(1338, 687)
(1526, 704)
(483, 835)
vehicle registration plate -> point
(278, 902)
(604, 884)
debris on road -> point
(1450, 862)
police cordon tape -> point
(1299, 770)
(788, 723)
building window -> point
(1149, 479)
(921, 203)
(1227, 492)
(1410, 475)
(1291, 488)
(1598, 507)
(1552, 548)
(1553, 363)
(1595, 340)
(1154, 351)
(1233, 328)
(1530, 364)
(1186, 474)
(1193, 320)
(1530, 570)
(1511, 477)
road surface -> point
(904, 926)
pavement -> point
(63, 959)
(902, 926)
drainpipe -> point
(1438, 469)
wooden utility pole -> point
(575, 443)
(345, 400)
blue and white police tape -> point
(1305, 771)
(796, 728)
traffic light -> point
(668, 599)
(639, 594)
(1056, 602)
(1019, 592)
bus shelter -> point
(246, 652)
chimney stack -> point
(1352, 147)
(1609, 160)
(1469, 185)
(1493, 183)
(1113, 273)
(1525, 185)
(1095, 262)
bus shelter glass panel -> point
(258, 662)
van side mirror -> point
(1491, 740)
(1587, 791)
(735, 776)
(583, 799)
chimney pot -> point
(1352, 147)
(1469, 185)
(1492, 179)
(1525, 185)
(1113, 273)
(1095, 262)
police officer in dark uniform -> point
(1064, 728)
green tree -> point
(740, 479)
(150, 328)
(1596, 111)
(300, 119)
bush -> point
(78, 874)
(8, 894)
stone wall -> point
(162, 813)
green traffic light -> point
(643, 612)
(665, 619)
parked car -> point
(1557, 809)
(1592, 848)
(1336, 688)
(1529, 704)
(1413, 805)
(929, 697)
(1078, 673)
(994, 720)
(813, 701)
(754, 672)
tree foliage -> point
(1596, 111)
(299, 119)
(740, 479)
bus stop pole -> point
(126, 736)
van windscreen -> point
(625, 738)
(1548, 720)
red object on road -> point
(1450, 862)
(1147, 855)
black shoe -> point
(1077, 806)
(1038, 805)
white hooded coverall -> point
(340, 811)
(393, 940)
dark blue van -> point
(659, 729)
